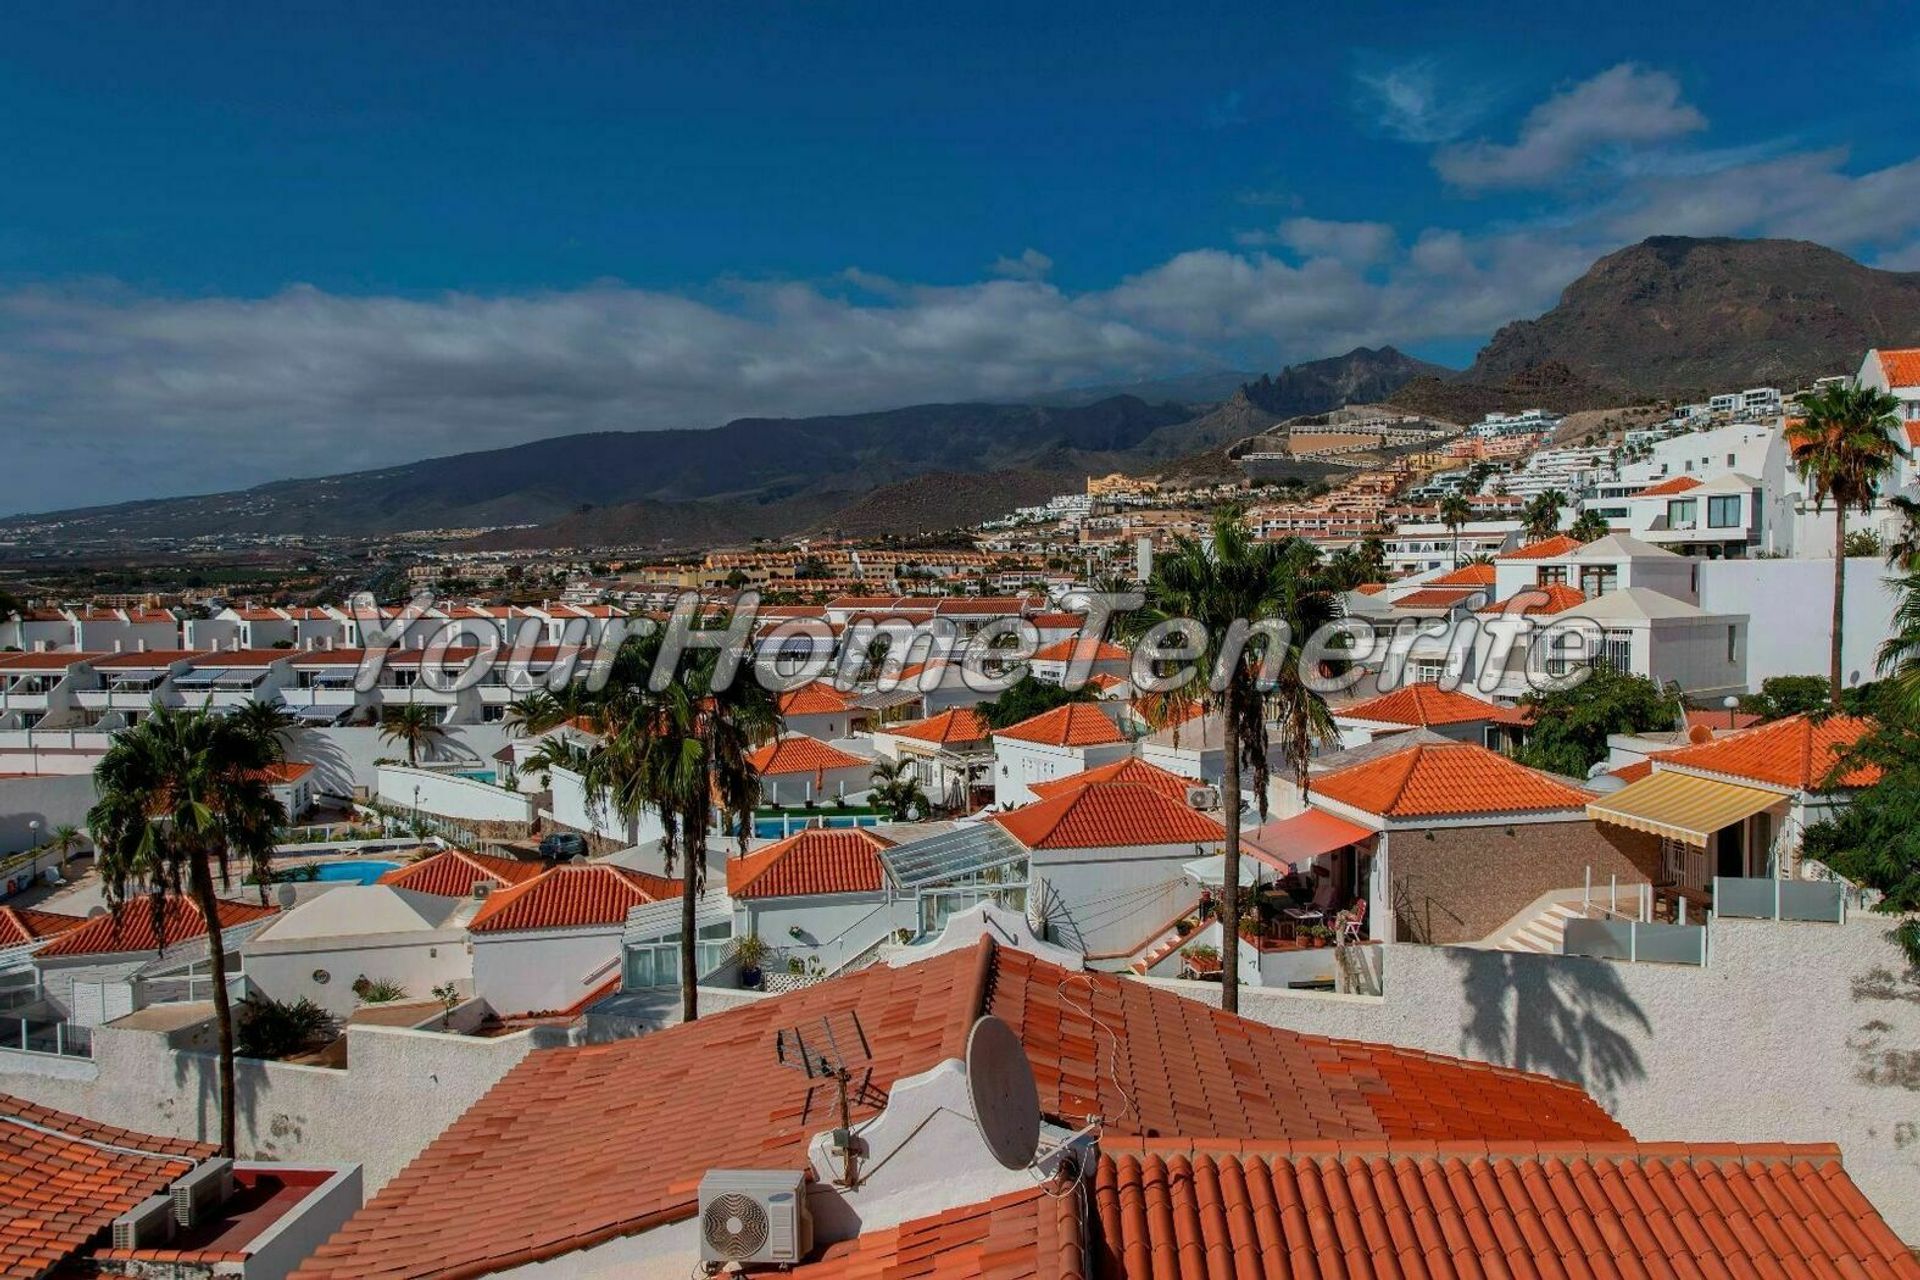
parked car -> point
(562, 845)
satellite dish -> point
(96, 913)
(284, 895)
(1006, 1103)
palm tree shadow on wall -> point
(1562, 1016)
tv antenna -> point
(832, 1051)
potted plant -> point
(1183, 927)
(750, 953)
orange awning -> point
(1302, 838)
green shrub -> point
(266, 1028)
(378, 990)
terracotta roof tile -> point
(1632, 772)
(452, 873)
(1435, 598)
(1555, 597)
(797, 753)
(131, 928)
(1798, 751)
(1072, 724)
(1109, 815)
(580, 1145)
(959, 724)
(1435, 780)
(1132, 769)
(1427, 704)
(22, 925)
(1677, 484)
(1901, 367)
(569, 896)
(1066, 650)
(1019, 1236)
(1545, 549)
(1467, 575)
(816, 699)
(60, 1190)
(818, 860)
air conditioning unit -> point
(481, 888)
(146, 1224)
(203, 1191)
(754, 1216)
(1203, 797)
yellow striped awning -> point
(1681, 806)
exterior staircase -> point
(1540, 928)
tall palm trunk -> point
(1230, 874)
(1839, 600)
(1456, 547)
(202, 880)
(695, 848)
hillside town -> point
(1414, 848)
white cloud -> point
(1417, 101)
(1624, 106)
(1358, 243)
(1030, 265)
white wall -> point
(1792, 1033)
(418, 962)
(834, 927)
(343, 755)
(1107, 900)
(398, 1091)
(571, 809)
(1017, 763)
(546, 969)
(448, 796)
(53, 801)
(1790, 602)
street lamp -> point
(33, 843)
(1730, 703)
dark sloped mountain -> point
(1362, 376)
(1676, 316)
(1549, 385)
(751, 462)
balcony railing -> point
(54, 1037)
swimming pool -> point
(778, 828)
(356, 872)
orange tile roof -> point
(131, 928)
(1467, 575)
(1072, 724)
(1798, 751)
(1371, 588)
(1718, 720)
(64, 1179)
(1558, 545)
(571, 897)
(1427, 704)
(21, 925)
(591, 1143)
(1602, 1211)
(1913, 434)
(1434, 598)
(959, 724)
(1024, 1235)
(818, 860)
(816, 699)
(1632, 772)
(1109, 815)
(1555, 597)
(1678, 484)
(1434, 780)
(1132, 769)
(1901, 367)
(452, 873)
(1066, 650)
(797, 753)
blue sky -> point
(244, 242)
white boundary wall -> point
(1793, 1033)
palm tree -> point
(683, 753)
(1903, 549)
(896, 789)
(1233, 578)
(1899, 657)
(183, 794)
(1841, 448)
(1542, 515)
(1589, 526)
(1455, 511)
(65, 839)
(412, 724)
(269, 723)
(558, 753)
(537, 712)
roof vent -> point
(148, 1223)
(754, 1217)
(203, 1191)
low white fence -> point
(1818, 901)
(1637, 941)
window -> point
(1681, 513)
(1598, 579)
(1729, 459)
(1732, 640)
(1551, 575)
(1616, 650)
(1724, 513)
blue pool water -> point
(776, 828)
(354, 872)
